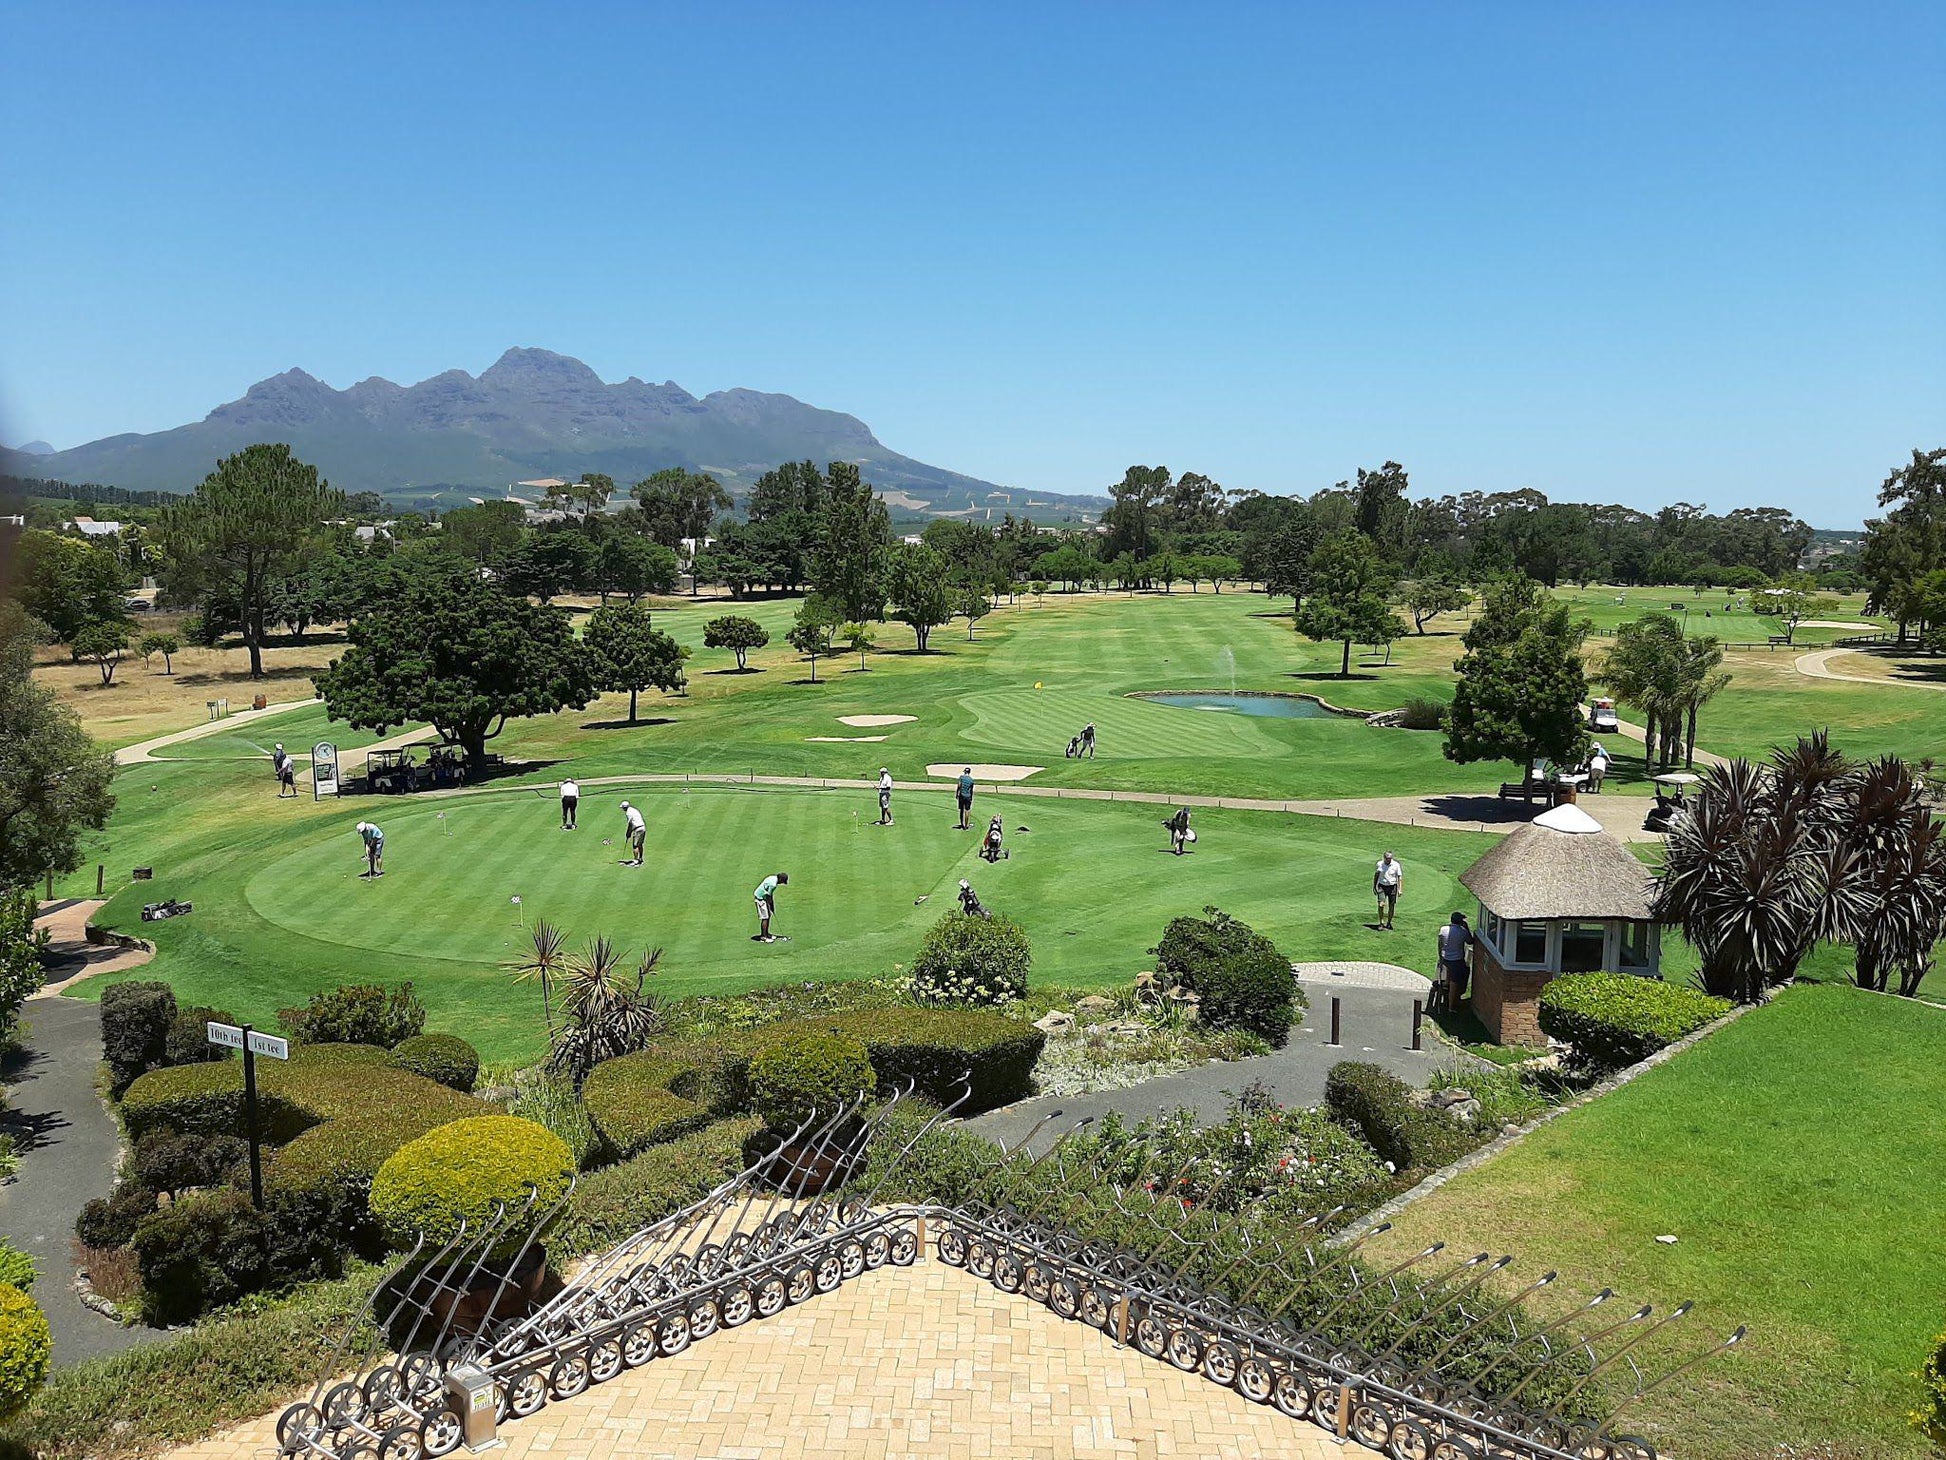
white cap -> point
(625, 806)
(964, 884)
(364, 826)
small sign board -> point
(324, 770)
(267, 1045)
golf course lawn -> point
(282, 911)
(1795, 1157)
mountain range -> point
(532, 414)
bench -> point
(1776, 639)
(1523, 790)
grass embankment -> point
(1795, 1157)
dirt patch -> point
(867, 722)
(984, 772)
(845, 739)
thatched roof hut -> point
(1561, 865)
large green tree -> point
(460, 654)
(1349, 597)
(922, 599)
(631, 655)
(486, 532)
(53, 779)
(242, 527)
(855, 533)
(676, 503)
(634, 566)
(1521, 681)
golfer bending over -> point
(374, 840)
(638, 833)
(963, 793)
(570, 803)
(767, 903)
(990, 848)
(884, 796)
(1388, 881)
(1179, 833)
(286, 771)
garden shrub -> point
(971, 960)
(135, 1021)
(26, 1349)
(1611, 1020)
(809, 1073)
(17, 1269)
(1379, 1107)
(1931, 1417)
(358, 1014)
(1420, 713)
(552, 1101)
(108, 1222)
(633, 1102)
(933, 1049)
(201, 1252)
(464, 1171)
(1240, 979)
(166, 1161)
(322, 1181)
(207, 1100)
(620, 1200)
(445, 1058)
(188, 1043)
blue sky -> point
(1638, 252)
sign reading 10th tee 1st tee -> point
(267, 1045)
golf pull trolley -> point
(452, 1347)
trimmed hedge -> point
(445, 1058)
(201, 1252)
(1378, 1106)
(26, 1349)
(934, 1049)
(1612, 1020)
(809, 1074)
(165, 1161)
(322, 1181)
(634, 1104)
(622, 1199)
(357, 1014)
(135, 1021)
(1932, 1380)
(188, 1039)
(1239, 978)
(972, 960)
(108, 1222)
(464, 1171)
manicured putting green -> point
(299, 730)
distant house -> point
(88, 527)
(912, 539)
(371, 532)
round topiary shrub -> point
(466, 1171)
(971, 960)
(809, 1074)
(634, 1101)
(26, 1347)
(445, 1058)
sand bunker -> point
(986, 772)
(867, 721)
(1836, 623)
(846, 739)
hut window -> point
(1635, 947)
(1583, 946)
(1530, 942)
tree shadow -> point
(637, 724)
(747, 669)
(1321, 677)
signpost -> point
(324, 770)
(231, 1036)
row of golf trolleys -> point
(471, 1344)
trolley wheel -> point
(605, 1360)
(829, 1272)
(672, 1333)
(1293, 1393)
(401, 1442)
(1185, 1349)
(382, 1389)
(979, 1259)
(1371, 1423)
(359, 1450)
(851, 1260)
(1409, 1440)
(1452, 1447)
(803, 1283)
(1152, 1335)
(704, 1317)
(772, 1295)
(442, 1433)
(952, 1248)
(1630, 1447)
(905, 1248)
(1220, 1363)
(709, 1261)
(298, 1423)
(735, 1306)
(527, 1394)
(1008, 1274)
(1098, 1308)
(419, 1371)
(1545, 1428)
(878, 1250)
(344, 1404)
(1324, 1403)
(1255, 1380)
(569, 1376)
(1036, 1282)
(639, 1345)
(1064, 1296)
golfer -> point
(286, 771)
(1088, 739)
(884, 796)
(969, 901)
(570, 803)
(1597, 767)
(1388, 881)
(963, 793)
(1179, 833)
(374, 841)
(638, 833)
(1455, 939)
(767, 903)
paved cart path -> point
(139, 752)
(1818, 666)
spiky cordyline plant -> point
(1904, 854)
(606, 1010)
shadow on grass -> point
(747, 669)
(637, 724)
(1332, 677)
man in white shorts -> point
(638, 833)
(767, 903)
(884, 796)
(1388, 881)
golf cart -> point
(390, 772)
(1671, 796)
(1602, 717)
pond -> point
(1273, 707)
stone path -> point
(921, 1361)
(1818, 666)
(141, 751)
(70, 956)
(1375, 1023)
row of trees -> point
(1903, 558)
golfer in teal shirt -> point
(964, 794)
(767, 903)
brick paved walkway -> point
(922, 1361)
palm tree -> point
(1702, 677)
(545, 960)
(1642, 668)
